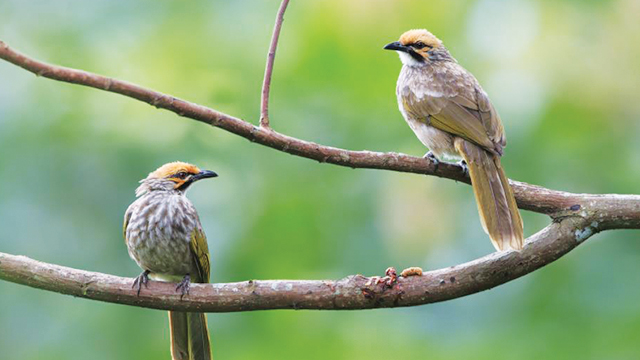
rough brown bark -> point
(530, 197)
(351, 293)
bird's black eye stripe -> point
(420, 45)
(180, 175)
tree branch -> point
(576, 218)
(529, 197)
(271, 56)
(351, 293)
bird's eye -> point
(421, 45)
(182, 175)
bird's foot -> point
(431, 156)
(142, 279)
(464, 167)
(390, 278)
(184, 286)
(411, 271)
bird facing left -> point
(164, 236)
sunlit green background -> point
(564, 75)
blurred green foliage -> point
(564, 76)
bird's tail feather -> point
(189, 336)
(496, 204)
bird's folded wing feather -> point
(470, 116)
(127, 217)
(200, 251)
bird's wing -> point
(127, 217)
(489, 117)
(200, 251)
(465, 112)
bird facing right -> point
(164, 236)
(451, 114)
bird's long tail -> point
(497, 207)
(189, 336)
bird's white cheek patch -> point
(408, 59)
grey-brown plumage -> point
(165, 238)
(451, 114)
(159, 234)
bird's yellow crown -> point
(175, 175)
(420, 37)
(172, 169)
(177, 171)
(419, 47)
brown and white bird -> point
(163, 234)
(450, 113)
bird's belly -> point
(163, 254)
(439, 142)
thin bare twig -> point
(268, 71)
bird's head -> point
(418, 47)
(176, 176)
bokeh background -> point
(564, 76)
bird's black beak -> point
(397, 47)
(204, 174)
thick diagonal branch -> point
(351, 293)
(530, 197)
